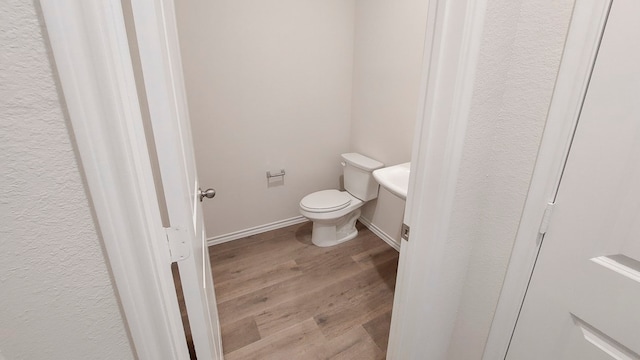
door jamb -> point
(91, 52)
(581, 47)
(426, 297)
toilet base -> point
(330, 233)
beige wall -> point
(520, 55)
(269, 87)
(293, 84)
(389, 43)
(56, 296)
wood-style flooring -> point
(281, 297)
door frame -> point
(91, 54)
(426, 298)
(581, 47)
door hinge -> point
(179, 245)
(546, 218)
(404, 232)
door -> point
(583, 301)
(162, 72)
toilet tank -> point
(358, 177)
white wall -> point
(389, 42)
(292, 85)
(520, 55)
(269, 87)
(57, 300)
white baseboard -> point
(255, 230)
(381, 234)
(292, 221)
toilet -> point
(334, 212)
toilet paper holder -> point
(280, 174)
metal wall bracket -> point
(280, 174)
(546, 218)
(404, 232)
(179, 244)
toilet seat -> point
(325, 201)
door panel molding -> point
(581, 48)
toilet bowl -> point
(333, 212)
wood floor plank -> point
(319, 271)
(331, 262)
(277, 251)
(281, 297)
(341, 294)
(302, 341)
(354, 344)
(262, 299)
(328, 268)
(316, 276)
(248, 282)
(335, 323)
(366, 305)
(376, 256)
(239, 334)
(263, 249)
(378, 329)
(220, 250)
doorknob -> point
(209, 194)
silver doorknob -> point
(209, 194)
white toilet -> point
(333, 212)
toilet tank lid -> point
(362, 162)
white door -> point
(583, 301)
(162, 71)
